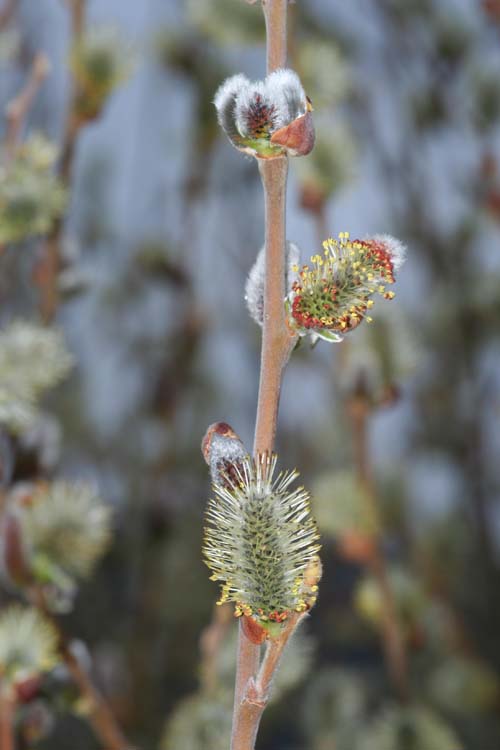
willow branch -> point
(73, 123)
(275, 12)
(7, 709)
(211, 641)
(77, 10)
(257, 693)
(393, 641)
(7, 12)
(245, 724)
(18, 108)
(277, 343)
(48, 270)
(272, 658)
(100, 716)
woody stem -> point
(276, 346)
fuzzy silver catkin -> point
(247, 100)
(224, 452)
(99, 60)
(33, 358)
(249, 112)
(254, 288)
(65, 528)
(225, 102)
(32, 196)
(284, 89)
(28, 644)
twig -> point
(256, 696)
(18, 108)
(100, 715)
(359, 412)
(272, 658)
(77, 10)
(245, 726)
(47, 271)
(275, 12)
(73, 124)
(7, 12)
(210, 642)
(7, 708)
(277, 343)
